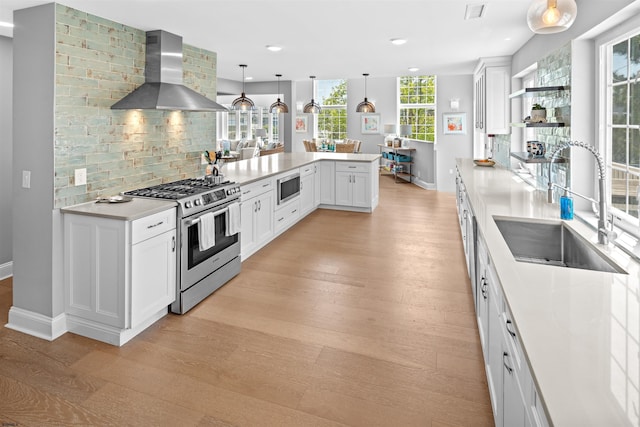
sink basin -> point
(552, 243)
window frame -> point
(427, 107)
(332, 107)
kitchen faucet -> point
(603, 233)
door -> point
(153, 276)
(344, 189)
(361, 190)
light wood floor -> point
(347, 319)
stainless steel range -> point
(201, 271)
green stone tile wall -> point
(98, 62)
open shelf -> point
(528, 158)
(537, 125)
(536, 91)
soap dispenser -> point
(566, 206)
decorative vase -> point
(539, 116)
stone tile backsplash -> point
(98, 62)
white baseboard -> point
(423, 184)
(6, 270)
(36, 324)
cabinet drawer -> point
(153, 225)
(307, 169)
(256, 188)
(352, 167)
(287, 215)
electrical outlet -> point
(81, 176)
(26, 179)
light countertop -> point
(129, 211)
(250, 170)
(580, 329)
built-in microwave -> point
(288, 187)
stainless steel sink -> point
(552, 243)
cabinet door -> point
(497, 105)
(307, 191)
(264, 218)
(513, 406)
(327, 183)
(479, 101)
(344, 189)
(153, 276)
(317, 180)
(248, 209)
(361, 190)
(496, 358)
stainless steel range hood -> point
(163, 88)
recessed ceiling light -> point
(474, 11)
(274, 48)
(248, 78)
(413, 69)
(398, 42)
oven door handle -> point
(197, 220)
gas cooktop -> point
(192, 195)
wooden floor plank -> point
(345, 319)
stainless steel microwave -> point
(288, 187)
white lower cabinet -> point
(307, 189)
(120, 276)
(514, 398)
(353, 184)
(256, 212)
(286, 216)
(327, 182)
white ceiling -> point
(325, 38)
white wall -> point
(6, 150)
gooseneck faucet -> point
(603, 233)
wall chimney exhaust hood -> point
(163, 88)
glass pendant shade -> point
(551, 16)
(365, 106)
(279, 106)
(243, 103)
(312, 107)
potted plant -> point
(538, 114)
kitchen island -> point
(578, 329)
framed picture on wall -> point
(454, 123)
(370, 123)
(301, 124)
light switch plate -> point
(26, 179)
(81, 176)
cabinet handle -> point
(508, 323)
(259, 205)
(509, 368)
(280, 219)
(173, 244)
(255, 206)
(266, 185)
(154, 225)
(483, 287)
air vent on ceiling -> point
(474, 11)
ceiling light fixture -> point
(413, 69)
(551, 16)
(278, 106)
(398, 42)
(274, 48)
(312, 107)
(365, 106)
(243, 103)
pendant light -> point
(243, 103)
(278, 106)
(551, 16)
(365, 106)
(312, 107)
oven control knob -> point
(197, 202)
(188, 204)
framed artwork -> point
(370, 123)
(301, 124)
(454, 123)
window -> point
(623, 125)
(332, 119)
(417, 96)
